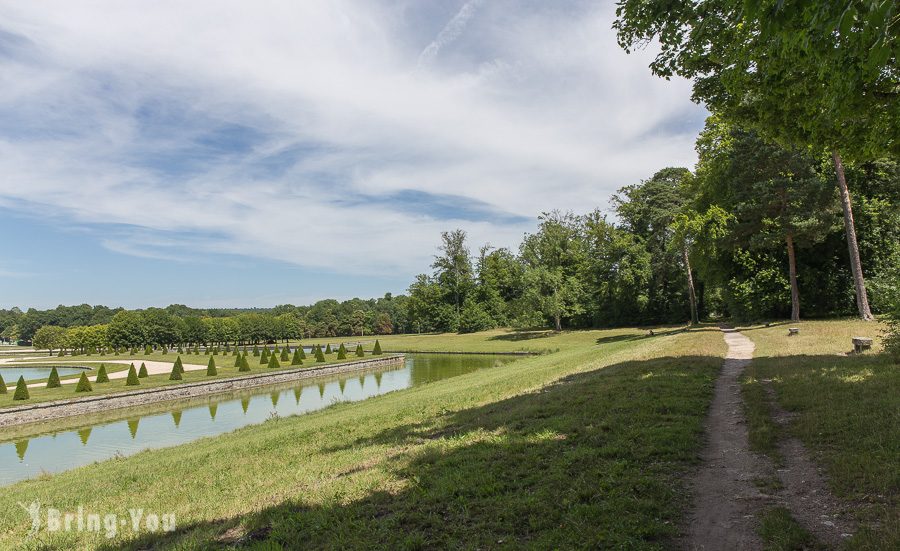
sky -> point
(223, 153)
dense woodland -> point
(793, 209)
(736, 221)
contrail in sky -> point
(450, 32)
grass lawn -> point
(224, 368)
(847, 414)
(585, 447)
(494, 341)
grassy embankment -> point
(224, 367)
(585, 447)
(847, 414)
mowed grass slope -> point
(848, 414)
(585, 447)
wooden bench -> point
(861, 343)
(793, 331)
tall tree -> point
(453, 269)
(805, 73)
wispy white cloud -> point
(261, 129)
(450, 32)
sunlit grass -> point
(576, 446)
(847, 414)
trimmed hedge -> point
(53, 380)
(21, 390)
(132, 379)
(84, 385)
(102, 377)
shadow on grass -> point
(845, 411)
(593, 460)
(524, 335)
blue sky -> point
(225, 153)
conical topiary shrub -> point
(102, 377)
(235, 352)
(342, 352)
(245, 364)
(179, 365)
(142, 372)
(264, 357)
(377, 350)
(132, 379)
(165, 349)
(2, 385)
(211, 368)
(359, 351)
(255, 350)
(302, 352)
(297, 360)
(285, 355)
(328, 348)
(320, 357)
(273, 362)
(53, 380)
(148, 350)
(84, 385)
(176, 373)
(21, 390)
(237, 360)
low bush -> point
(102, 377)
(84, 385)
(21, 390)
(53, 380)
(132, 379)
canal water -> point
(176, 423)
(11, 374)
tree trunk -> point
(862, 299)
(558, 322)
(692, 295)
(792, 269)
